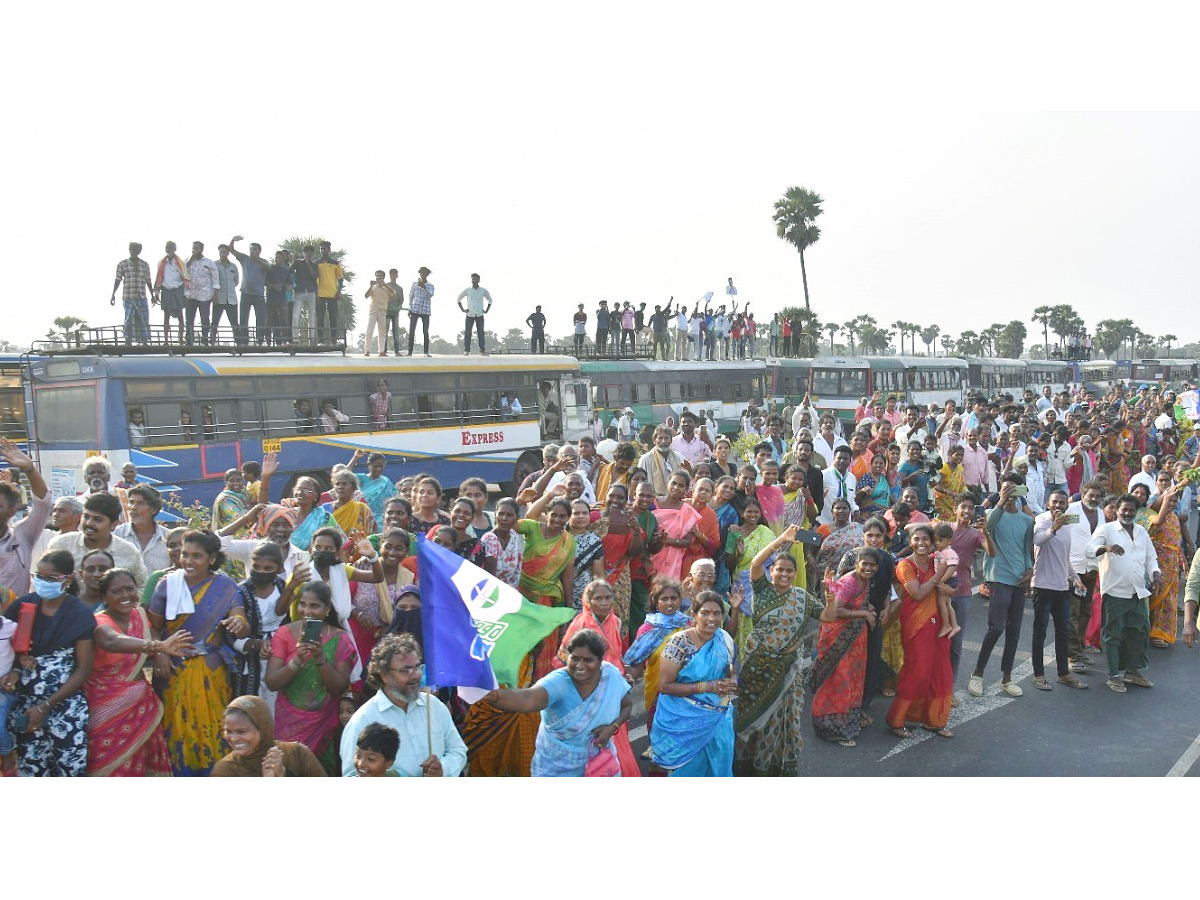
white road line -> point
(637, 734)
(1185, 762)
(970, 708)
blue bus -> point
(203, 415)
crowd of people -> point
(286, 638)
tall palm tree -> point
(795, 222)
(849, 330)
(948, 344)
(928, 336)
(1168, 339)
(833, 328)
(901, 329)
(1043, 314)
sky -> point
(972, 169)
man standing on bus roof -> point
(420, 305)
(304, 275)
(602, 323)
(393, 312)
(226, 299)
(254, 292)
(579, 322)
(134, 274)
(330, 280)
(475, 310)
(204, 281)
(171, 282)
(536, 321)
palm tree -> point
(901, 329)
(948, 344)
(848, 329)
(833, 328)
(928, 336)
(70, 329)
(1168, 339)
(806, 340)
(1064, 320)
(1042, 314)
(795, 222)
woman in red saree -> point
(622, 538)
(926, 683)
(125, 737)
(598, 615)
(840, 671)
(706, 536)
(678, 521)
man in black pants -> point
(1052, 580)
(393, 311)
(537, 323)
(602, 328)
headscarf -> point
(255, 709)
(297, 759)
(407, 621)
(272, 512)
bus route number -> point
(272, 445)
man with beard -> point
(1126, 561)
(660, 462)
(430, 746)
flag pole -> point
(429, 722)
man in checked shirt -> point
(419, 307)
(133, 277)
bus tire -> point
(528, 463)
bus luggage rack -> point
(645, 351)
(111, 340)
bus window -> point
(67, 414)
(278, 417)
(165, 424)
(482, 407)
(221, 420)
(825, 382)
(854, 383)
(581, 393)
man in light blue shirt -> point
(429, 744)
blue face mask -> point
(46, 589)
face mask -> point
(324, 558)
(46, 589)
(262, 579)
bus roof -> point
(645, 365)
(999, 362)
(324, 364)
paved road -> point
(1151, 732)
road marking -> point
(970, 708)
(1185, 762)
(637, 733)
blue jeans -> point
(7, 702)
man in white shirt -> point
(1148, 475)
(625, 425)
(1045, 401)
(826, 441)
(1051, 582)
(430, 746)
(142, 531)
(1127, 561)
(1088, 519)
(912, 428)
(681, 334)
(840, 483)
(1031, 470)
(688, 444)
(1058, 458)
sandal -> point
(902, 732)
(887, 692)
(865, 721)
(1072, 681)
(1040, 682)
(847, 743)
(1159, 643)
(940, 732)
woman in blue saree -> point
(692, 733)
(582, 706)
(727, 517)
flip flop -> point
(940, 732)
(902, 732)
(1041, 683)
